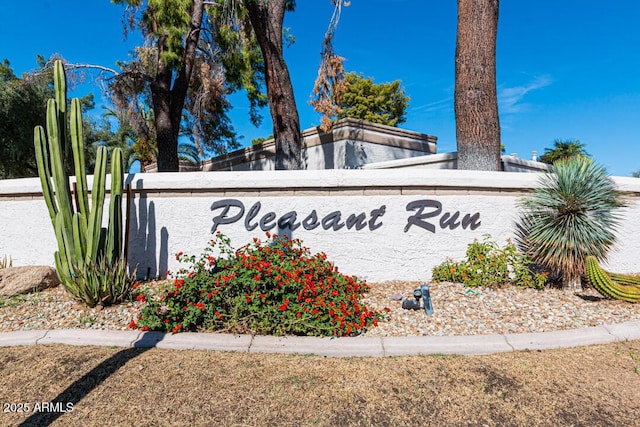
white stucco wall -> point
(450, 161)
(343, 154)
(172, 213)
(348, 154)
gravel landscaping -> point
(457, 311)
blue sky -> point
(565, 69)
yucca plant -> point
(570, 216)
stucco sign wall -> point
(375, 237)
(379, 224)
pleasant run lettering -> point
(289, 221)
(447, 220)
(230, 211)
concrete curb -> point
(463, 345)
(331, 347)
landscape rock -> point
(22, 280)
(395, 297)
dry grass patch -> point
(590, 386)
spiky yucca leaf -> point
(569, 216)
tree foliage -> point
(563, 150)
(115, 130)
(196, 53)
(22, 107)
(383, 103)
(265, 18)
(23, 102)
(240, 55)
(190, 62)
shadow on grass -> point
(92, 379)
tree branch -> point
(70, 66)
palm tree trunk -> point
(476, 102)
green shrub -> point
(449, 271)
(491, 266)
(569, 217)
(271, 288)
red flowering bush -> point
(271, 288)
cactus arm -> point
(97, 201)
(60, 178)
(42, 161)
(607, 287)
(625, 292)
(114, 233)
(66, 249)
(114, 236)
(78, 158)
(80, 239)
(60, 85)
(625, 279)
(62, 270)
(60, 94)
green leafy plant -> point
(449, 271)
(569, 216)
(489, 265)
(87, 252)
(276, 288)
(384, 103)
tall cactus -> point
(82, 241)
